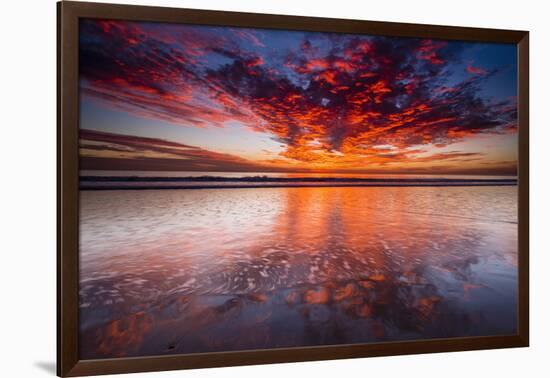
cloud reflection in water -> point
(188, 271)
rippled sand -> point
(183, 271)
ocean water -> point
(188, 271)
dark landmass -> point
(285, 179)
(216, 182)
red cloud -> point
(428, 50)
(475, 70)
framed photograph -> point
(240, 188)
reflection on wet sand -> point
(173, 271)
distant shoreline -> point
(264, 179)
(207, 182)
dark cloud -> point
(123, 152)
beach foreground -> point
(189, 271)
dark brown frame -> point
(68, 363)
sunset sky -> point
(199, 98)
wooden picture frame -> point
(68, 361)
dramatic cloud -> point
(329, 99)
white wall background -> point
(28, 208)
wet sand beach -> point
(188, 271)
